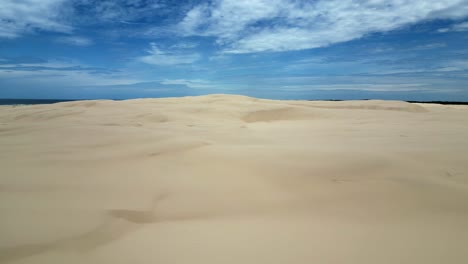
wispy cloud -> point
(453, 65)
(194, 83)
(115, 11)
(156, 56)
(404, 87)
(457, 67)
(457, 28)
(76, 41)
(60, 73)
(18, 17)
(281, 25)
(429, 46)
(184, 45)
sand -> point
(233, 179)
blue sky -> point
(290, 49)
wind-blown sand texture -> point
(233, 179)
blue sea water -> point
(53, 101)
(31, 101)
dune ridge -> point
(233, 179)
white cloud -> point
(441, 67)
(226, 18)
(58, 73)
(244, 26)
(453, 65)
(122, 11)
(398, 87)
(359, 86)
(429, 46)
(184, 45)
(158, 57)
(18, 17)
(457, 27)
(194, 83)
(76, 41)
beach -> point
(233, 179)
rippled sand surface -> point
(233, 179)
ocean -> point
(53, 101)
(31, 101)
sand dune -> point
(233, 179)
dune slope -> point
(233, 179)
